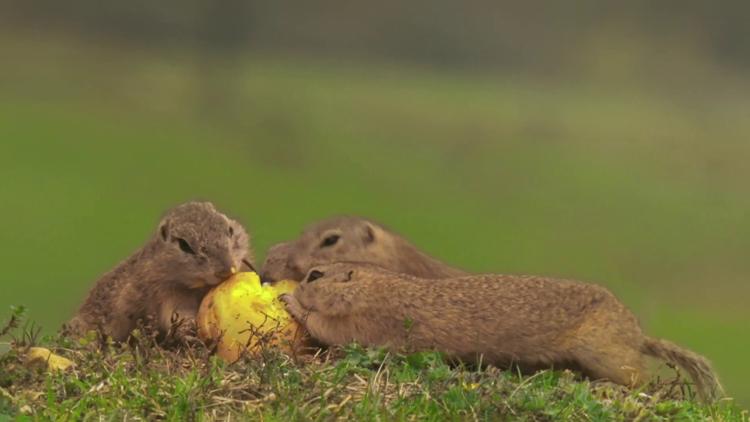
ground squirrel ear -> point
(368, 236)
(164, 230)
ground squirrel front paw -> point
(294, 307)
(182, 331)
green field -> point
(640, 188)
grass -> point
(638, 189)
(142, 380)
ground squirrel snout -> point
(351, 239)
(528, 321)
(194, 248)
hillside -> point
(143, 380)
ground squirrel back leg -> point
(620, 364)
(604, 352)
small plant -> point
(16, 316)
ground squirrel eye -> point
(185, 246)
(330, 241)
(231, 231)
(314, 275)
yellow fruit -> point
(44, 358)
(243, 315)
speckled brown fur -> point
(533, 322)
(194, 248)
(351, 239)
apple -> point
(243, 316)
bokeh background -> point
(598, 141)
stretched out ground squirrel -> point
(532, 322)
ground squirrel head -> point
(201, 246)
(336, 239)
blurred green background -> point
(604, 142)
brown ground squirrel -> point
(533, 322)
(351, 239)
(195, 247)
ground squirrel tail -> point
(698, 367)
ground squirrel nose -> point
(225, 273)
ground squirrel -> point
(351, 239)
(195, 247)
(532, 322)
